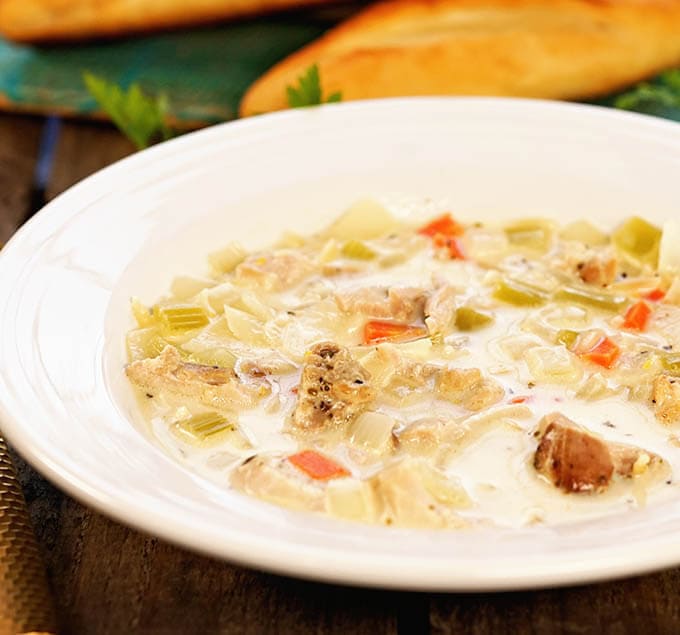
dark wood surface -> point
(109, 580)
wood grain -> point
(647, 604)
(19, 140)
(110, 580)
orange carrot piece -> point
(637, 316)
(376, 331)
(655, 296)
(317, 466)
(604, 353)
(520, 399)
(444, 225)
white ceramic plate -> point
(66, 277)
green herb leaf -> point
(660, 96)
(139, 117)
(308, 91)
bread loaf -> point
(557, 49)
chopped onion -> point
(669, 254)
(364, 220)
(352, 500)
(553, 365)
(245, 327)
(372, 431)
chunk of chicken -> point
(276, 480)
(599, 270)
(439, 436)
(400, 303)
(468, 388)
(211, 386)
(576, 460)
(440, 308)
(415, 495)
(666, 398)
(334, 388)
(274, 271)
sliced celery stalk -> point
(639, 240)
(567, 337)
(208, 429)
(467, 319)
(358, 250)
(671, 364)
(181, 318)
(519, 294)
(589, 298)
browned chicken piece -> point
(334, 388)
(467, 387)
(576, 460)
(211, 386)
(276, 480)
(426, 436)
(599, 270)
(666, 399)
(440, 309)
(276, 270)
(399, 303)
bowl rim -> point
(301, 561)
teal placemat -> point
(204, 72)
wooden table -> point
(108, 579)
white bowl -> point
(66, 277)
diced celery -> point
(208, 429)
(671, 364)
(567, 337)
(142, 314)
(532, 233)
(589, 298)
(227, 259)
(519, 294)
(639, 240)
(467, 319)
(178, 318)
(357, 250)
(144, 343)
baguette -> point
(54, 20)
(554, 49)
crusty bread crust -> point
(55, 20)
(555, 49)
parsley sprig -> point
(660, 96)
(308, 90)
(139, 117)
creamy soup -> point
(444, 374)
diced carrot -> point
(451, 243)
(376, 331)
(655, 296)
(317, 466)
(444, 225)
(637, 316)
(604, 353)
(520, 399)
